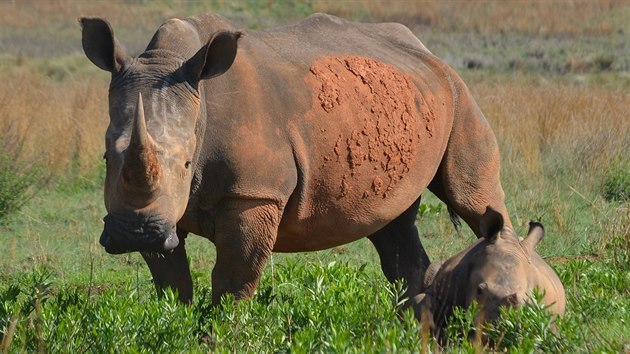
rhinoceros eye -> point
(187, 164)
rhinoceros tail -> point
(455, 219)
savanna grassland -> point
(552, 78)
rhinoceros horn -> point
(141, 170)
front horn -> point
(141, 170)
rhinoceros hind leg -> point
(400, 251)
(245, 232)
(172, 270)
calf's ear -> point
(535, 234)
(214, 58)
(100, 45)
(491, 224)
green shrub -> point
(308, 307)
(425, 209)
(529, 328)
(21, 306)
(461, 330)
(617, 182)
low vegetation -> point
(19, 182)
(333, 307)
(617, 182)
(555, 93)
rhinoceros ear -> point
(491, 224)
(100, 45)
(534, 235)
(214, 58)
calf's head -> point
(155, 104)
(501, 268)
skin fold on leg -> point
(245, 233)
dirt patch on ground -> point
(374, 111)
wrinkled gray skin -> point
(251, 151)
(497, 270)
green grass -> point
(18, 183)
(617, 182)
(64, 293)
(300, 307)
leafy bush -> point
(617, 182)
(461, 330)
(425, 209)
(525, 329)
(530, 328)
(308, 308)
(18, 183)
(301, 307)
(21, 303)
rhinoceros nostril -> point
(171, 242)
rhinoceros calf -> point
(497, 270)
(293, 139)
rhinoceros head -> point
(151, 141)
(501, 270)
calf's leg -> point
(400, 251)
(245, 232)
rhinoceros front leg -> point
(172, 270)
(245, 232)
(423, 306)
(400, 251)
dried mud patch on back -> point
(374, 119)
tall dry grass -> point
(60, 120)
(55, 14)
(558, 144)
(545, 129)
(59, 125)
(567, 17)
(573, 17)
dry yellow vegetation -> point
(56, 124)
(575, 17)
(59, 120)
(62, 124)
(539, 122)
(532, 16)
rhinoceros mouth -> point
(122, 234)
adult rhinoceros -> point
(312, 136)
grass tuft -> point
(19, 182)
(617, 182)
